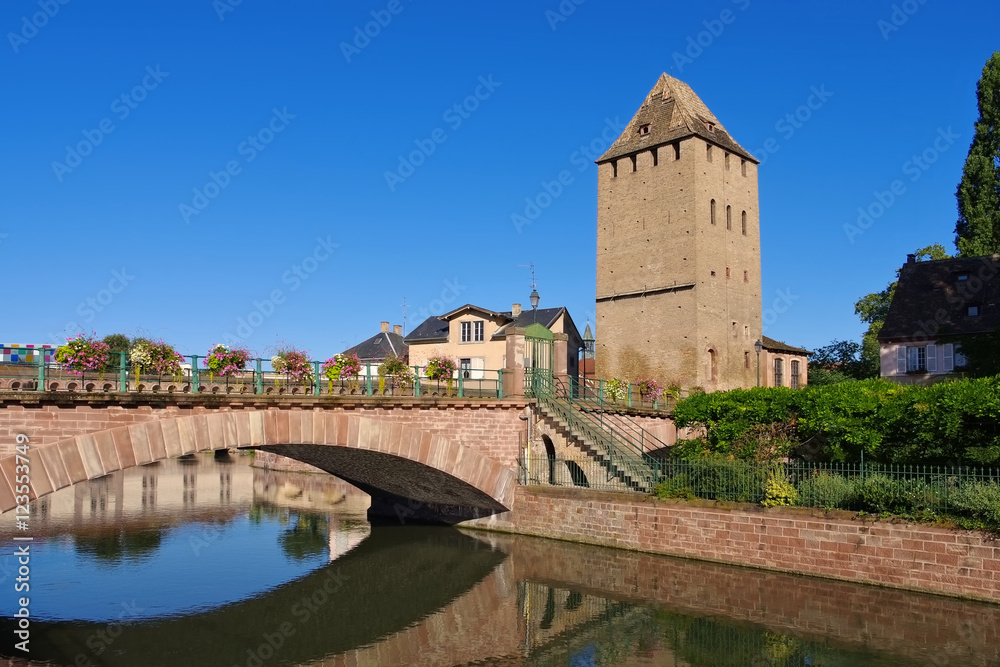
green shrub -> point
(778, 490)
(978, 500)
(827, 490)
(714, 479)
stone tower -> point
(678, 248)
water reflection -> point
(217, 563)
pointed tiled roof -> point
(672, 111)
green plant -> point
(395, 372)
(979, 500)
(830, 491)
(778, 490)
(82, 353)
(616, 390)
(440, 368)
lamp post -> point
(757, 346)
(534, 299)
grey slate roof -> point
(431, 329)
(379, 346)
(930, 300)
(672, 111)
(772, 345)
(544, 316)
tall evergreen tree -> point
(978, 229)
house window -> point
(465, 366)
(916, 359)
(708, 151)
(973, 311)
(729, 218)
(795, 374)
(743, 217)
(472, 332)
(712, 207)
(779, 372)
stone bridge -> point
(447, 459)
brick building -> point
(678, 248)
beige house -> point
(782, 365)
(475, 337)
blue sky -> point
(173, 167)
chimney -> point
(910, 259)
(515, 310)
(397, 329)
(385, 327)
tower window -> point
(743, 222)
(746, 360)
(729, 218)
(614, 169)
(727, 161)
(713, 274)
(727, 272)
(710, 126)
(656, 157)
(746, 276)
(677, 150)
(644, 130)
(634, 166)
(713, 211)
(708, 151)
(743, 167)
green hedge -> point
(956, 422)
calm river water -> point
(201, 561)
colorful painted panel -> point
(18, 354)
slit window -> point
(656, 157)
(729, 218)
(743, 167)
(708, 151)
(634, 165)
(712, 206)
(743, 222)
(677, 151)
(727, 161)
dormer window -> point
(644, 130)
(710, 126)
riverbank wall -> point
(964, 564)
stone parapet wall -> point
(914, 557)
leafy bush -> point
(947, 423)
(714, 479)
(978, 500)
(778, 490)
(827, 490)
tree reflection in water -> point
(123, 545)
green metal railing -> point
(121, 377)
(874, 488)
(622, 460)
(599, 392)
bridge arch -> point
(388, 459)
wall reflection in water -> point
(406, 595)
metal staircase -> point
(618, 450)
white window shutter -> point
(478, 364)
(901, 360)
(948, 357)
(932, 358)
